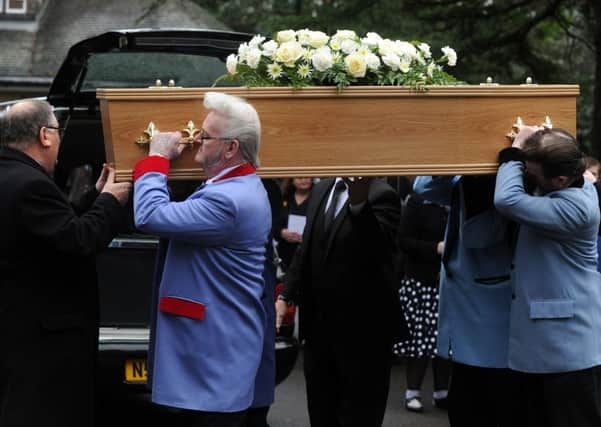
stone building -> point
(35, 35)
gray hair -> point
(20, 125)
(242, 122)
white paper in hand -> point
(296, 223)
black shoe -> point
(442, 403)
(414, 404)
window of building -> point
(16, 6)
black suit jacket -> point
(355, 287)
(48, 296)
(422, 227)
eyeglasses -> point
(61, 131)
(204, 137)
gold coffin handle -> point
(147, 134)
(188, 134)
(517, 126)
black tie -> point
(331, 212)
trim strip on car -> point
(123, 335)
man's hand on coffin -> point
(588, 175)
(358, 189)
(103, 177)
(166, 144)
(524, 133)
(120, 190)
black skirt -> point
(420, 307)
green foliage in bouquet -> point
(313, 58)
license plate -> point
(136, 371)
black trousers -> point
(216, 419)
(481, 397)
(257, 417)
(562, 399)
(347, 381)
(416, 371)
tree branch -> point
(565, 27)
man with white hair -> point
(208, 317)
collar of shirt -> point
(220, 174)
(341, 200)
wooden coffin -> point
(369, 131)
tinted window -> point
(140, 70)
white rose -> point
(345, 34)
(269, 48)
(256, 41)
(303, 36)
(318, 39)
(349, 46)
(386, 47)
(405, 65)
(372, 40)
(451, 55)
(286, 36)
(340, 36)
(231, 63)
(425, 49)
(356, 65)
(405, 49)
(392, 61)
(253, 57)
(243, 51)
(322, 59)
(373, 62)
(288, 53)
(364, 50)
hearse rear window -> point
(142, 69)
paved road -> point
(289, 409)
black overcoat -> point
(48, 296)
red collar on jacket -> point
(244, 169)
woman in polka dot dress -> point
(420, 236)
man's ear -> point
(43, 138)
(560, 181)
(233, 149)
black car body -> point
(131, 58)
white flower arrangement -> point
(313, 58)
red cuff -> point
(151, 164)
(182, 307)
